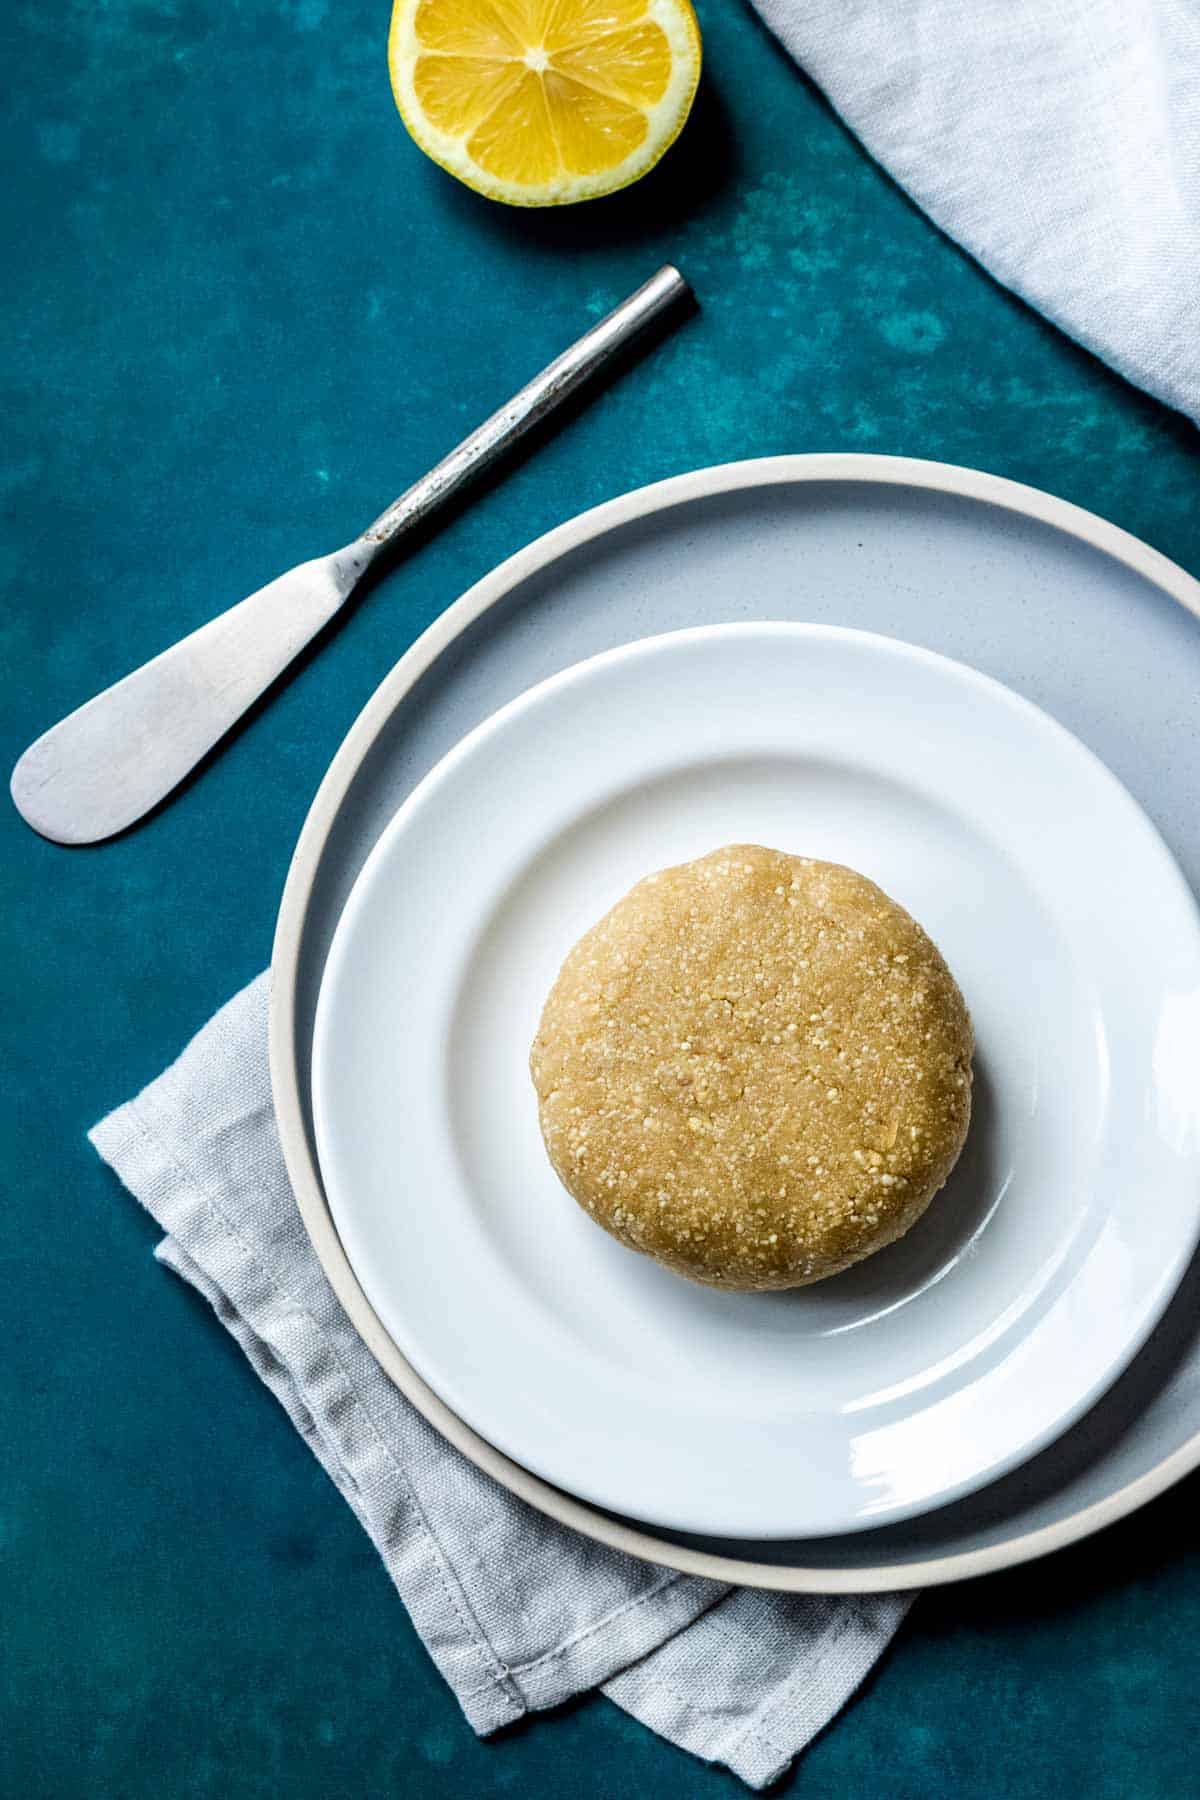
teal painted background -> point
(241, 312)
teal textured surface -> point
(246, 312)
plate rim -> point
(785, 470)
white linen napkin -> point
(517, 1612)
(1056, 140)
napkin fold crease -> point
(518, 1612)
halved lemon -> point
(543, 102)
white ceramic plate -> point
(930, 1369)
(1063, 606)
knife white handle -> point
(110, 762)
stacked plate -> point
(843, 657)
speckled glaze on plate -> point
(1069, 610)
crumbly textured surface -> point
(756, 1068)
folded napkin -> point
(1056, 140)
(517, 1612)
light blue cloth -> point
(1056, 140)
(517, 1612)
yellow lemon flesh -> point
(543, 102)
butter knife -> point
(110, 762)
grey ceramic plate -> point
(1064, 608)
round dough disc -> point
(756, 1068)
